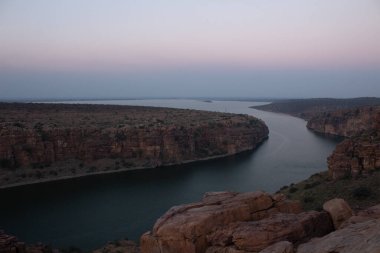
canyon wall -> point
(47, 141)
(346, 123)
(359, 153)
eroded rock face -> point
(356, 156)
(227, 222)
(255, 236)
(360, 153)
(345, 123)
(38, 136)
(362, 237)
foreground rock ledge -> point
(234, 222)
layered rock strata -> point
(346, 123)
(232, 222)
(43, 141)
(359, 154)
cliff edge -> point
(359, 153)
(50, 141)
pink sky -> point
(156, 34)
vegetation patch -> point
(319, 188)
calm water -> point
(88, 212)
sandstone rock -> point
(362, 237)
(280, 247)
(254, 236)
(347, 123)
(363, 215)
(186, 228)
(137, 136)
(339, 211)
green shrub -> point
(293, 189)
(361, 192)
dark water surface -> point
(87, 212)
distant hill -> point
(308, 108)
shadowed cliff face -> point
(43, 141)
(360, 153)
(346, 123)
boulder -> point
(186, 228)
(339, 211)
(254, 236)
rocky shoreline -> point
(43, 142)
(257, 222)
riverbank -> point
(128, 204)
(44, 142)
(119, 170)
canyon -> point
(258, 222)
(41, 142)
(357, 120)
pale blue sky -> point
(271, 48)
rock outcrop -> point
(227, 222)
(94, 138)
(339, 211)
(359, 154)
(355, 156)
(346, 123)
(362, 237)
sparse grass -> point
(314, 191)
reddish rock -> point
(347, 122)
(356, 156)
(363, 237)
(43, 135)
(360, 153)
(363, 215)
(339, 211)
(185, 228)
(280, 247)
(254, 236)
(227, 222)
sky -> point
(185, 48)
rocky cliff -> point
(359, 154)
(346, 123)
(44, 141)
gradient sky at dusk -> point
(125, 48)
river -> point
(90, 211)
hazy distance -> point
(214, 48)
